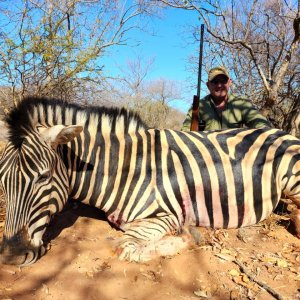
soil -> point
(259, 262)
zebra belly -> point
(218, 212)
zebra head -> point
(35, 184)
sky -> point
(170, 48)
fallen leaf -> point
(234, 273)
(245, 278)
(45, 289)
(271, 260)
(89, 274)
(282, 263)
(226, 251)
(201, 293)
(258, 270)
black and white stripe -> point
(149, 182)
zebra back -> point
(31, 113)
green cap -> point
(217, 71)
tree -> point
(52, 47)
(149, 98)
(258, 40)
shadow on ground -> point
(82, 264)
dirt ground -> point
(260, 262)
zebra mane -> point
(33, 111)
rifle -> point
(195, 108)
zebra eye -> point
(43, 176)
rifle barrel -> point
(200, 61)
(195, 107)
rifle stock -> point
(195, 114)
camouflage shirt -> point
(238, 112)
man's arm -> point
(186, 126)
(253, 118)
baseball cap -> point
(217, 71)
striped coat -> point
(149, 182)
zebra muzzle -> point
(18, 250)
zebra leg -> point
(146, 239)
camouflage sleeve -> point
(253, 118)
(186, 126)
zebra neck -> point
(94, 164)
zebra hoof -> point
(131, 252)
(167, 246)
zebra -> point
(150, 183)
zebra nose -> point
(15, 250)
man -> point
(222, 110)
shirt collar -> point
(221, 106)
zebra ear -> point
(3, 131)
(60, 134)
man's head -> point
(218, 84)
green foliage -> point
(51, 46)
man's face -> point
(219, 87)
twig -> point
(260, 283)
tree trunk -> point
(291, 123)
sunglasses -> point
(217, 81)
